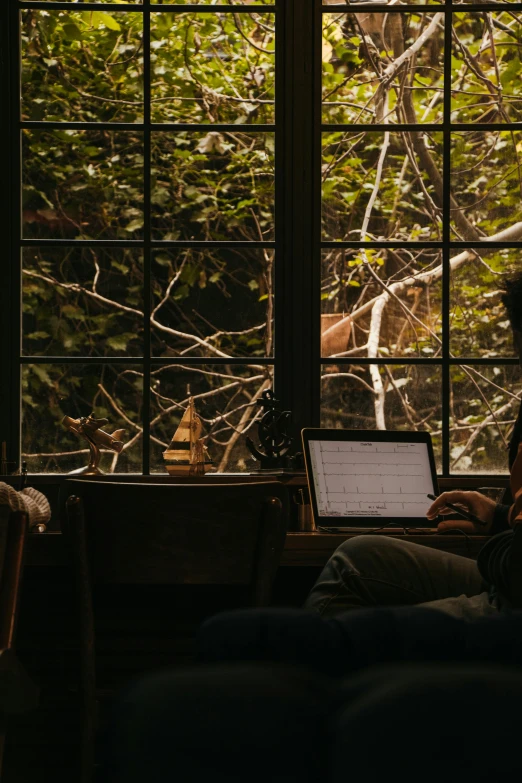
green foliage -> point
(87, 66)
(349, 80)
(212, 67)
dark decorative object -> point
(275, 440)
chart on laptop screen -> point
(371, 479)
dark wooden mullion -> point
(10, 192)
(301, 370)
(198, 8)
(108, 8)
(154, 126)
(317, 206)
(227, 127)
(455, 245)
(265, 360)
(446, 238)
(85, 6)
(397, 244)
(456, 361)
(418, 9)
(152, 360)
(283, 230)
(147, 232)
(432, 127)
(15, 348)
(214, 245)
(378, 127)
(159, 243)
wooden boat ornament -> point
(186, 454)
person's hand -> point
(480, 505)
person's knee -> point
(360, 551)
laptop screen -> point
(358, 478)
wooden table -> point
(314, 549)
(301, 549)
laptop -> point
(369, 478)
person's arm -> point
(500, 519)
(496, 561)
(475, 502)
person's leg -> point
(464, 606)
(430, 723)
(373, 570)
(223, 724)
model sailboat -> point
(186, 454)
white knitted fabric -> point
(29, 500)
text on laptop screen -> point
(371, 479)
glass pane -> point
(225, 397)
(52, 391)
(82, 66)
(213, 303)
(352, 293)
(354, 70)
(486, 71)
(82, 301)
(217, 186)
(82, 184)
(485, 402)
(392, 397)
(479, 323)
(486, 179)
(213, 68)
(382, 186)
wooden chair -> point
(17, 692)
(138, 533)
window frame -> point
(446, 245)
(298, 243)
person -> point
(289, 695)
(373, 570)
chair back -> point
(13, 534)
(166, 534)
(141, 533)
(17, 692)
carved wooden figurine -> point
(90, 429)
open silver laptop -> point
(369, 478)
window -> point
(421, 166)
(208, 207)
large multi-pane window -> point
(148, 229)
(217, 198)
(421, 167)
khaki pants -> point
(373, 570)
